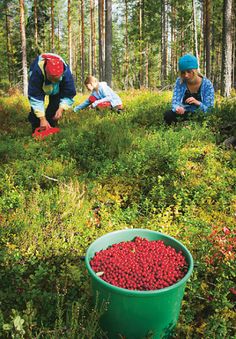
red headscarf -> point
(54, 66)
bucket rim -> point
(137, 292)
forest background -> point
(131, 44)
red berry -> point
(140, 265)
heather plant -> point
(105, 172)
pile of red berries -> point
(140, 264)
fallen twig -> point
(49, 178)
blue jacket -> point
(104, 93)
(39, 86)
(206, 91)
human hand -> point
(58, 114)
(192, 100)
(180, 110)
(44, 124)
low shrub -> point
(103, 172)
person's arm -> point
(84, 104)
(67, 90)
(177, 96)
(35, 92)
(208, 96)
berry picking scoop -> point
(41, 132)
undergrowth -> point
(138, 173)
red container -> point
(41, 133)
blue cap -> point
(187, 62)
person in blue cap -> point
(192, 91)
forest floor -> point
(103, 172)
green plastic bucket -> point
(138, 314)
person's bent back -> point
(49, 75)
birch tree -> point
(226, 49)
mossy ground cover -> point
(105, 172)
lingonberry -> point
(140, 264)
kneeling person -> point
(192, 91)
(49, 75)
(102, 96)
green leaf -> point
(18, 323)
(6, 327)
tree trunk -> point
(164, 43)
(208, 37)
(92, 40)
(213, 55)
(52, 26)
(195, 30)
(8, 43)
(126, 82)
(140, 43)
(36, 26)
(226, 49)
(234, 47)
(23, 48)
(58, 40)
(182, 30)
(201, 40)
(43, 38)
(82, 45)
(218, 63)
(70, 36)
(101, 38)
(78, 49)
(108, 42)
(147, 66)
(173, 42)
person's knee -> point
(118, 109)
(169, 117)
(34, 121)
(52, 122)
(53, 105)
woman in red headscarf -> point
(49, 75)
